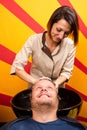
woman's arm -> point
(60, 80)
(25, 76)
(66, 71)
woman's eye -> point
(58, 30)
(66, 33)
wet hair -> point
(68, 14)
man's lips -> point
(44, 94)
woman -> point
(52, 51)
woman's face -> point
(60, 30)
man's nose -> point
(44, 89)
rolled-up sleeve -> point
(69, 64)
(22, 56)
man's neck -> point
(44, 115)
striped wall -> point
(18, 20)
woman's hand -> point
(56, 83)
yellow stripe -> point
(6, 114)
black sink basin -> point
(69, 101)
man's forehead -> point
(45, 84)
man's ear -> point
(30, 94)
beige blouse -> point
(51, 65)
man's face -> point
(44, 93)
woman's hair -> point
(69, 14)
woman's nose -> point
(61, 35)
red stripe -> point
(22, 15)
(80, 118)
(8, 56)
(83, 28)
(84, 97)
(80, 66)
(5, 99)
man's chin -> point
(45, 104)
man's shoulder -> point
(74, 123)
(15, 123)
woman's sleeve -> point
(69, 63)
(22, 56)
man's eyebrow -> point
(49, 79)
(44, 78)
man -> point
(44, 105)
(44, 101)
